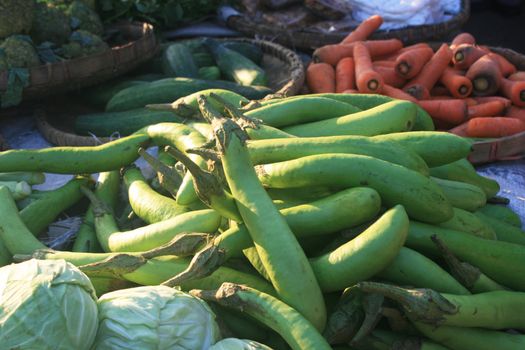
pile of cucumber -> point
(182, 68)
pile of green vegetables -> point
(182, 68)
(35, 32)
(327, 221)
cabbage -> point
(46, 304)
(238, 344)
(154, 317)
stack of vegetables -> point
(181, 69)
(312, 222)
(465, 87)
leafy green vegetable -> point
(164, 14)
(154, 317)
(46, 304)
(17, 80)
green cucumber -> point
(209, 73)
(170, 89)
(203, 59)
(178, 61)
(248, 50)
(125, 122)
(235, 66)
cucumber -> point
(203, 59)
(170, 89)
(100, 95)
(125, 123)
(177, 61)
(250, 51)
(235, 66)
(209, 73)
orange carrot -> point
(517, 76)
(389, 75)
(393, 56)
(487, 109)
(472, 102)
(505, 66)
(483, 99)
(494, 127)
(351, 91)
(516, 112)
(384, 63)
(441, 97)
(345, 75)
(367, 79)
(410, 63)
(485, 75)
(460, 130)
(464, 55)
(513, 90)
(421, 84)
(393, 92)
(458, 85)
(320, 77)
(332, 54)
(364, 29)
(462, 38)
(452, 111)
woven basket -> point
(285, 73)
(304, 38)
(81, 72)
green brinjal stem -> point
(184, 244)
(344, 322)
(465, 273)
(208, 187)
(169, 179)
(420, 304)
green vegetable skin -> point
(503, 262)
(502, 213)
(420, 196)
(278, 315)
(301, 110)
(278, 150)
(395, 116)
(168, 90)
(351, 263)
(283, 258)
(461, 194)
(235, 66)
(75, 160)
(504, 231)
(178, 61)
(465, 221)
(146, 203)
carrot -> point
(517, 76)
(516, 112)
(393, 92)
(393, 56)
(364, 29)
(421, 84)
(483, 99)
(472, 102)
(462, 38)
(505, 66)
(513, 90)
(410, 63)
(453, 111)
(494, 127)
(458, 85)
(485, 75)
(487, 109)
(441, 97)
(344, 75)
(351, 91)
(332, 54)
(389, 75)
(384, 63)
(464, 55)
(460, 130)
(366, 78)
(320, 77)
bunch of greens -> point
(163, 14)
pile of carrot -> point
(466, 88)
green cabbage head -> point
(154, 317)
(46, 304)
(238, 344)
